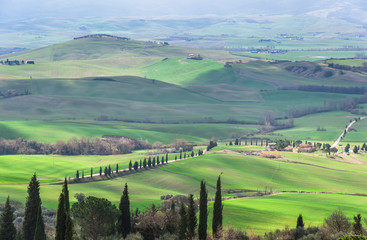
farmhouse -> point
(194, 56)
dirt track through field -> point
(346, 132)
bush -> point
(353, 237)
(337, 223)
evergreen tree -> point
(117, 168)
(40, 227)
(145, 163)
(347, 147)
(140, 164)
(175, 157)
(217, 210)
(166, 157)
(105, 171)
(181, 155)
(130, 166)
(203, 217)
(184, 155)
(68, 221)
(230, 143)
(136, 166)
(68, 227)
(32, 208)
(100, 171)
(236, 141)
(153, 162)
(149, 162)
(182, 228)
(357, 225)
(355, 149)
(162, 160)
(191, 217)
(109, 170)
(300, 221)
(60, 219)
(91, 172)
(77, 174)
(7, 228)
(192, 154)
(65, 191)
(124, 221)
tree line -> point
(328, 89)
(82, 146)
(359, 69)
(107, 171)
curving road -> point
(342, 134)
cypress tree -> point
(124, 222)
(68, 221)
(149, 162)
(136, 166)
(192, 154)
(184, 155)
(130, 166)
(181, 155)
(175, 157)
(105, 171)
(203, 217)
(77, 174)
(166, 157)
(68, 227)
(91, 172)
(357, 225)
(117, 168)
(109, 170)
(7, 228)
(100, 171)
(145, 163)
(32, 207)
(191, 218)
(140, 164)
(182, 228)
(153, 162)
(40, 227)
(162, 160)
(217, 210)
(60, 219)
(300, 221)
(65, 191)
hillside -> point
(109, 78)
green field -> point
(165, 133)
(305, 128)
(274, 212)
(319, 174)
